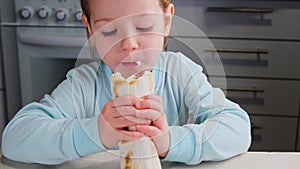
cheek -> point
(152, 49)
(104, 48)
(107, 54)
(106, 51)
(153, 42)
(110, 59)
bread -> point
(132, 86)
(141, 153)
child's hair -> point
(86, 11)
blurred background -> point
(256, 41)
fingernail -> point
(138, 127)
(132, 128)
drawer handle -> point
(240, 9)
(234, 50)
(252, 90)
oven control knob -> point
(44, 12)
(78, 16)
(26, 12)
(61, 14)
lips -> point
(131, 64)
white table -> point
(110, 160)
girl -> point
(80, 117)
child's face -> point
(129, 34)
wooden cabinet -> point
(263, 97)
(273, 133)
(250, 49)
(273, 107)
(246, 58)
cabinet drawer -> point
(263, 97)
(273, 133)
(244, 58)
(243, 19)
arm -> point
(221, 129)
(57, 129)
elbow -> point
(241, 134)
(8, 148)
(247, 137)
(244, 135)
(11, 145)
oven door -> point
(45, 55)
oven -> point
(42, 39)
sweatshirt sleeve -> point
(61, 127)
(221, 129)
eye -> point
(109, 33)
(145, 29)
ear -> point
(169, 12)
(87, 25)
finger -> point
(124, 101)
(148, 114)
(148, 103)
(150, 131)
(127, 121)
(129, 135)
(123, 111)
(153, 97)
(161, 123)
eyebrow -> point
(103, 19)
(111, 19)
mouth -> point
(132, 64)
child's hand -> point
(116, 116)
(151, 107)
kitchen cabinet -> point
(247, 58)
(273, 107)
(270, 133)
(263, 97)
(240, 18)
(250, 50)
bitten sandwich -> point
(132, 86)
(141, 153)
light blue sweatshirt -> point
(64, 125)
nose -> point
(129, 44)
